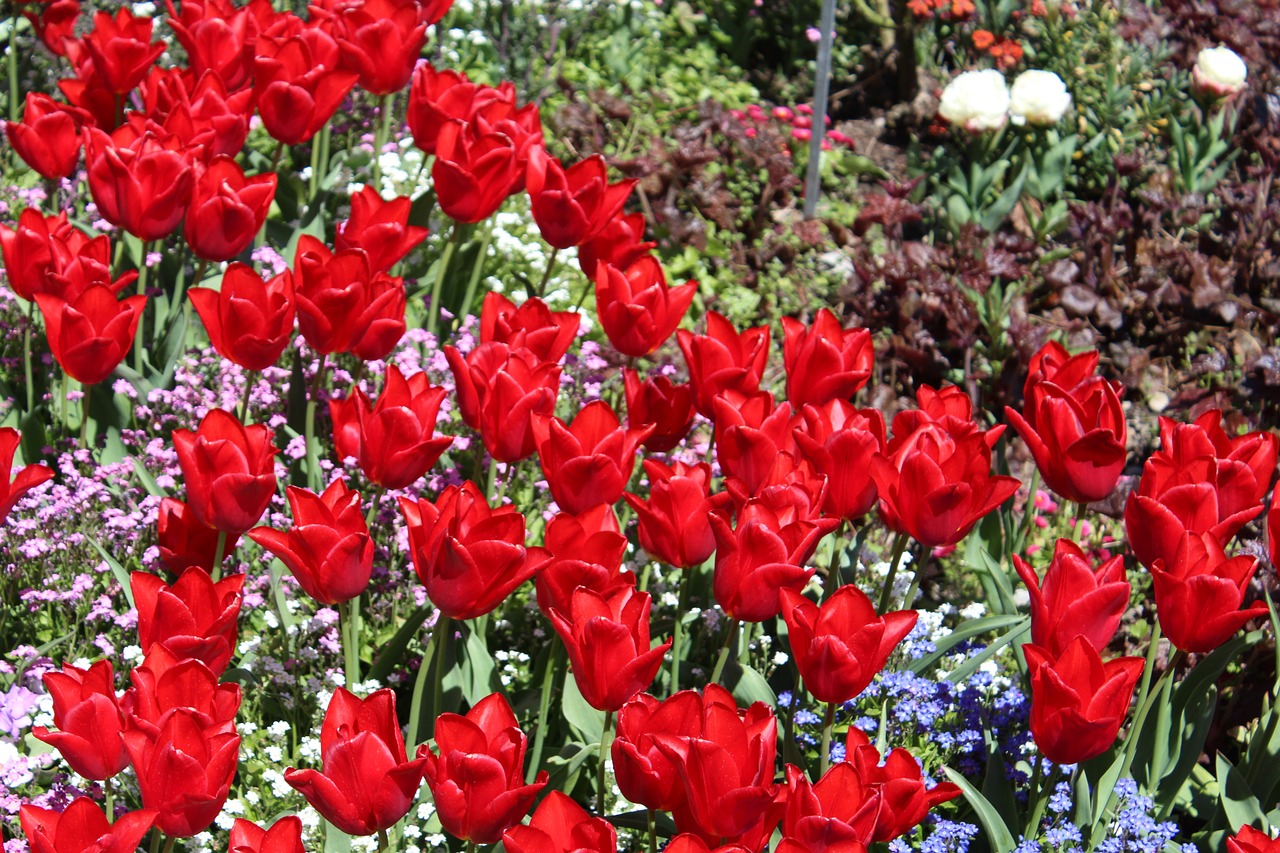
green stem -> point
(724, 652)
(420, 683)
(491, 482)
(546, 274)
(375, 498)
(446, 627)
(349, 615)
(380, 135)
(437, 287)
(13, 68)
(899, 546)
(249, 377)
(602, 778)
(142, 291)
(555, 656)
(111, 800)
(27, 373)
(169, 845)
(828, 724)
(84, 416)
(1035, 798)
(477, 270)
(383, 842)
(677, 631)
(313, 186)
(653, 831)
(313, 452)
(155, 841)
(1029, 511)
(219, 552)
(833, 568)
(914, 587)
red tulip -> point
(645, 774)
(203, 116)
(727, 772)
(934, 486)
(838, 813)
(1199, 481)
(1077, 701)
(751, 432)
(91, 335)
(139, 182)
(83, 826)
(1273, 525)
(607, 637)
(48, 137)
(675, 521)
(184, 771)
(55, 23)
(382, 39)
(839, 441)
(1075, 599)
(394, 439)
(344, 305)
(500, 389)
(619, 244)
(586, 551)
(185, 541)
(637, 310)
(572, 205)
(560, 825)
(477, 779)
(723, 360)
(298, 83)
(764, 553)
(229, 471)
(1200, 592)
(227, 210)
(468, 555)
(89, 720)
(904, 800)
(164, 682)
(1250, 840)
(121, 49)
(218, 37)
(366, 782)
(249, 321)
(825, 362)
(438, 97)
(13, 488)
(328, 549)
(659, 403)
(479, 165)
(284, 836)
(1076, 432)
(50, 255)
(841, 645)
(194, 618)
(547, 334)
(687, 842)
(381, 228)
(589, 462)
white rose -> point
(1219, 72)
(1039, 97)
(976, 101)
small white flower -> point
(976, 100)
(1219, 72)
(1038, 97)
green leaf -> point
(335, 840)
(392, 652)
(122, 577)
(998, 834)
(968, 630)
(148, 482)
(585, 720)
(969, 667)
(747, 685)
(1237, 798)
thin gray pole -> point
(821, 89)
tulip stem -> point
(313, 186)
(546, 274)
(13, 68)
(383, 842)
(555, 656)
(142, 291)
(155, 841)
(605, 739)
(677, 630)
(84, 417)
(249, 377)
(653, 830)
(445, 627)
(26, 356)
(437, 287)
(110, 792)
(724, 652)
(381, 132)
(313, 452)
(349, 616)
(1034, 800)
(886, 594)
(1029, 511)
(477, 269)
(420, 687)
(375, 498)
(828, 724)
(219, 552)
(170, 844)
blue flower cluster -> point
(1132, 830)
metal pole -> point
(821, 89)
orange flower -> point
(962, 9)
(983, 39)
(1007, 53)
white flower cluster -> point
(1219, 72)
(979, 101)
